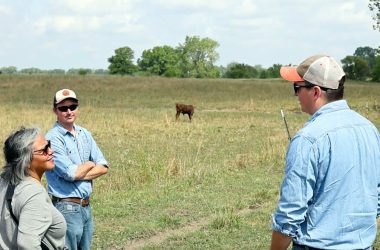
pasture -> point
(209, 184)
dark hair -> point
(336, 94)
(332, 94)
(18, 153)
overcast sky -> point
(64, 34)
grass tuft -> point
(227, 220)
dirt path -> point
(189, 228)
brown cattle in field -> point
(184, 109)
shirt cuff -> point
(104, 163)
(71, 172)
(285, 229)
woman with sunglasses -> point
(28, 218)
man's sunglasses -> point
(65, 108)
(43, 151)
(307, 85)
(298, 87)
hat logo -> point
(65, 92)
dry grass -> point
(166, 174)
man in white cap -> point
(330, 193)
(78, 160)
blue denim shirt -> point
(69, 153)
(330, 193)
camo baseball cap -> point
(321, 70)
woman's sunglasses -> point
(65, 108)
(43, 151)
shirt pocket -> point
(85, 148)
(72, 153)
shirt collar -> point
(328, 108)
(64, 131)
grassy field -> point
(209, 184)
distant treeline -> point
(196, 58)
(233, 70)
(31, 71)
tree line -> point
(196, 58)
(29, 71)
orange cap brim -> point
(290, 74)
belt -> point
(313, 248)
(82, 202)
(305, 247)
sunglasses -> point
(307, 85)
(65, 108)
(298, 87)
(43, 151)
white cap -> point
(64, 94)
(319, 70)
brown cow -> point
(184, 109)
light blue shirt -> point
(69, 153)
(330, 193)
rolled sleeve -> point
(286, 229)
(103, 163)
(296, 189)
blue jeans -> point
(79, 225)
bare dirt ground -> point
(186, 229)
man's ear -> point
(317, 92)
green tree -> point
(263, 74)
(374, 6)
(56, 71)
(260, 69)
(368, 54)
(222, 70)
(101, 72)
(161, 60)
(73, 71)
(122, 62)
(240, 70)
(274, 71)
(84, 72)
(356, 68)
(9, 70)
(198, 57)
(31, 71)
(376, 70)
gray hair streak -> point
(18, 153)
